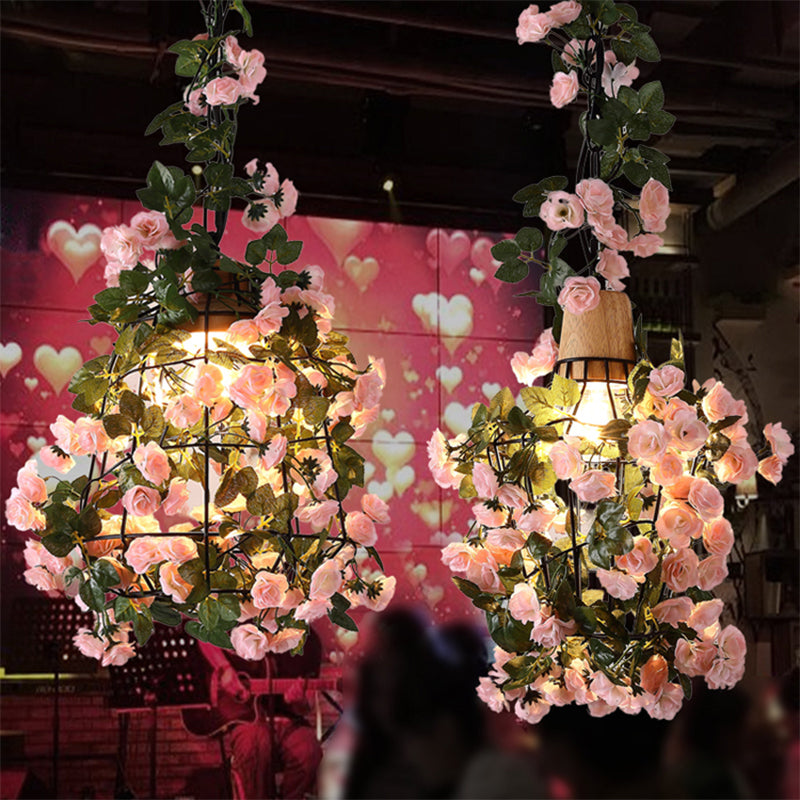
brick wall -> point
(89, 741)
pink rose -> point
(617, 584)
(118, 654)
(527, 368)
(575, 51)
(30, 485)
(485, 480)
(183, 412)
(566, 460)
(608, 232)
(563, 90)
(687, 433)
(609, 692)
(614, 268)
(552, 631)
(565, 12)
(152, 462)
(668, 704)
(456, 556)
(562, 210)
(22, 514)
(256, 425)
(375, 508)
(512, 496)
(711, 571)
(533, 26)
(523, 604)
(89, 437)
(654, 206)
(616, 74)
(440, 465)
(678, 524)
(694, 658)
(274, 452)
(647, 441)
(195, 102)
(666, 381)
(718, 537)
(207, 384)
(151, 227)
(594, 485)
(325, 582)
(176, 499)
(50, 458)
(640, 560)
(706, 499)
(269, 590)
(597, 197)
(705, 614)
(719, 403)
(360, 528)
(143, 553)
(122, 244)
(251, 384)
(532, 711)
(249, 642)
(222, 91)
(579, 295)
(289, 196)
(679, 570)
(505, 539)
(673, 611)
(771, 468)
(779, 440)
(285, 640)
(172, 584)
(277, 398)
(653, 675)
(89, 644)
(645, 245)
(667, 471)
(261, 216)
(141, 501)
(318, 515)
(270, 318)
(243, 331)
(178, 549)
(738, 464)
(368, 389)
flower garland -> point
(220, 479)
(594, 559)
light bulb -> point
(595, 409)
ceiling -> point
(438, 94)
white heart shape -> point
(10, 356)
(384, 489)
(455, 315)
(477, 276)
(36, 443)
(490, 389)
(449, 377)
(457, 417)
(369, 471)
(416, 573)
(402, 478)
(393, 451)
(426, 307)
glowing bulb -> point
(197, 170)
(595, 409)
(388, 185)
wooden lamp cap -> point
(605, 332)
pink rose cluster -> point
(534, 26)
(125, 246)
(277, 200)
(225, 90)
(593, 205)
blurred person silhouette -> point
(617, 756)
(418, 720)
(705, 752)
(789, 699)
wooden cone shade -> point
(604, 333)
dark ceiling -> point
(437, 93)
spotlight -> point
(388, 185)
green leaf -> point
(246, 481)
(645, 47)
(342, 619)
(505, 250)
(116, 425)
(288, 252)
(60, 544)
(159, 119)
(512, 271)
(564, 392)
(143, 626)
(586, 619)
(93, 595)
(637, 174)
(238, 5)
(661, 122)
(651, 96)
(529, 239)
(131, 405)
(602, 131)
(88, 523)
(165, 614)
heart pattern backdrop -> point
(424, 299)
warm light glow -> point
(594, 410)
(388, 185)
